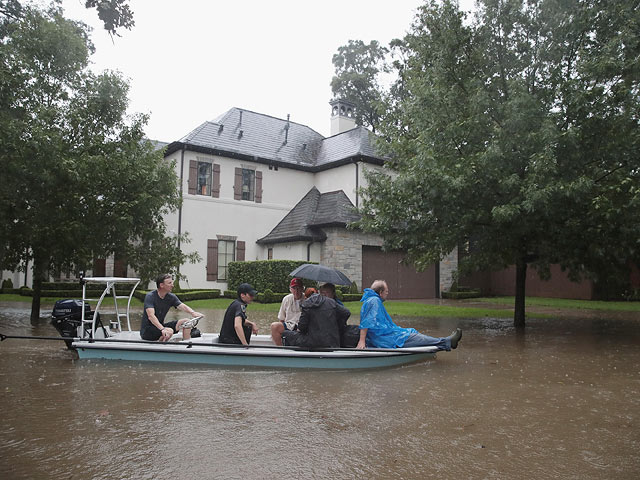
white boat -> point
(93, 340)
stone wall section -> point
(343, 250)
(448, 267)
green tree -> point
(515, 133)
(114, 14)
(358, 66)
(79, 179)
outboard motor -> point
(67, 319)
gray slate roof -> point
(254, 136)
(315, 210)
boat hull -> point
(253, 356)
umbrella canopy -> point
(321, 273)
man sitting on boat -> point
(156, 305)
(329, 290)
(321, 324)
(378, 330)
(289, 313)
(236, 328)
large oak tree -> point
(79, 180)
(515, 133)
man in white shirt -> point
(290, 311)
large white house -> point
(256, 187)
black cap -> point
(246, 288)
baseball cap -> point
(247, 288)
(296, 282)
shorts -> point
(153, 334)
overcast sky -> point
(191, 60)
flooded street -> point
(561, 401)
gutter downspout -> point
(357, 183)
(309, 251)
(181, 192)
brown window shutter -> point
(240, 251)
(212, 260)
(193, 177)
(237, 185)
(215, 182)
(258, 195)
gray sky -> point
(190, 61)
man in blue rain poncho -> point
(377, 330)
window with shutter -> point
(193, 177)
(258, 195)
(240, 246)
(212, 260)
(215, 186)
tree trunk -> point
(38, 277)
(521, 279)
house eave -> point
(177, 146)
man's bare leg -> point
(276, 333)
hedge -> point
(61, 286)
(269, 297)
(351, 297)
(56, 293)
(461, 294)
(264, 275)
(185, 296)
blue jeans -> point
(420, 340)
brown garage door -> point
(403, 280)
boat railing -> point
(109, 289)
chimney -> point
(342, 116)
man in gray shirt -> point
(156, 305)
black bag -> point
(350, 336)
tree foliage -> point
(79, 179)
(515, 133)
(114, 14)
(357, 69)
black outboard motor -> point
(66, 318)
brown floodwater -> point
(561, 401)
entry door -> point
(403, 280)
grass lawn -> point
(407, 309)
(566, 303)
(394, 307)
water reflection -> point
(560, 401)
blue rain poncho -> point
(382, 332)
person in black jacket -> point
(321, 324)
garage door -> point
(403, 280)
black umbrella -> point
(320, 273)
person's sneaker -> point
(455, 338)
(192, 322)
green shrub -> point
(461, 293)
(351, 297)
(57, 293)
(198, 295)
(264, 274)
(61, 285)
(230, 294)
(7, 284)
(184, 295)
(269, 297)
